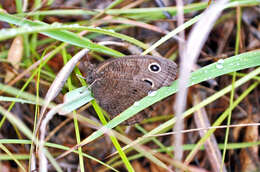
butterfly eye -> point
(154, 67)
(150, 82)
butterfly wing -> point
(114, 96)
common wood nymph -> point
(117, 84)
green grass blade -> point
(9, 33)
(64, 36)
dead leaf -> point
(15, 55)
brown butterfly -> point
(117, 84)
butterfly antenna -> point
(92, 83)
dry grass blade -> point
(61, 79)
(51, 94)
(211, 146)
(193, 47)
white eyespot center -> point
(154, 67)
